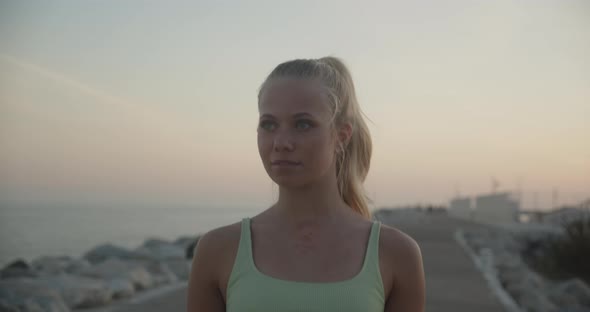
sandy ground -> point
(453, 284)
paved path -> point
(453, 284)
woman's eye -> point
(266, 125)
(300, 124)
(306, 124)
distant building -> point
(496, 208)
(460, 207)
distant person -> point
(317, 248)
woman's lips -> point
(285, 163)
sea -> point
(29, 231)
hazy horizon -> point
(157, 101)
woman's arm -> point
(203, 290)
(408, 292)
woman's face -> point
(295, 140)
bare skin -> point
(310, 234)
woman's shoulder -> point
(401, 260)
(220, 239)
(399, 250)
(392, 237)
(212, 260)
(217, 248)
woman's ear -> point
(345, 133)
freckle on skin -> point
(304, 245)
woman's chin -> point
(288, 181)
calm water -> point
(30, 231)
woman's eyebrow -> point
(297, 115)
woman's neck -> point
(319, 203)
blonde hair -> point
(354, 159)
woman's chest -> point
(309, 259)
(258, 294)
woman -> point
(316, 248)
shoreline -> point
(104, 278)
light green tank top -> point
(250, 290)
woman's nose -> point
(282, 142)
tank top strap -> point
(372, 255)
(246, 244)
(247, 235)
(242, 265)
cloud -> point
(154, 117)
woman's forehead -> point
(289, 95)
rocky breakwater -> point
(501, 252)
(105, 274)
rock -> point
(507, 247)
(5, 307)
(180, 268)
(77, 265)
(571, 293)
(106, 251)
(78, 292)
(478, 241)
(16, 269)
(47, 266)
(522, 281)
(161, 250)
(574, 309)
(155, 242)
(26, 294)
(562, 299)
(504, 260)
(120, 288)
(539, 237)
(533, 301)
(18, 264)
(112, 268)
(511, 276)
(160, 271)
(509, 244)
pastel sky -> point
(156, 100)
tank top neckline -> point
(367, 257)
